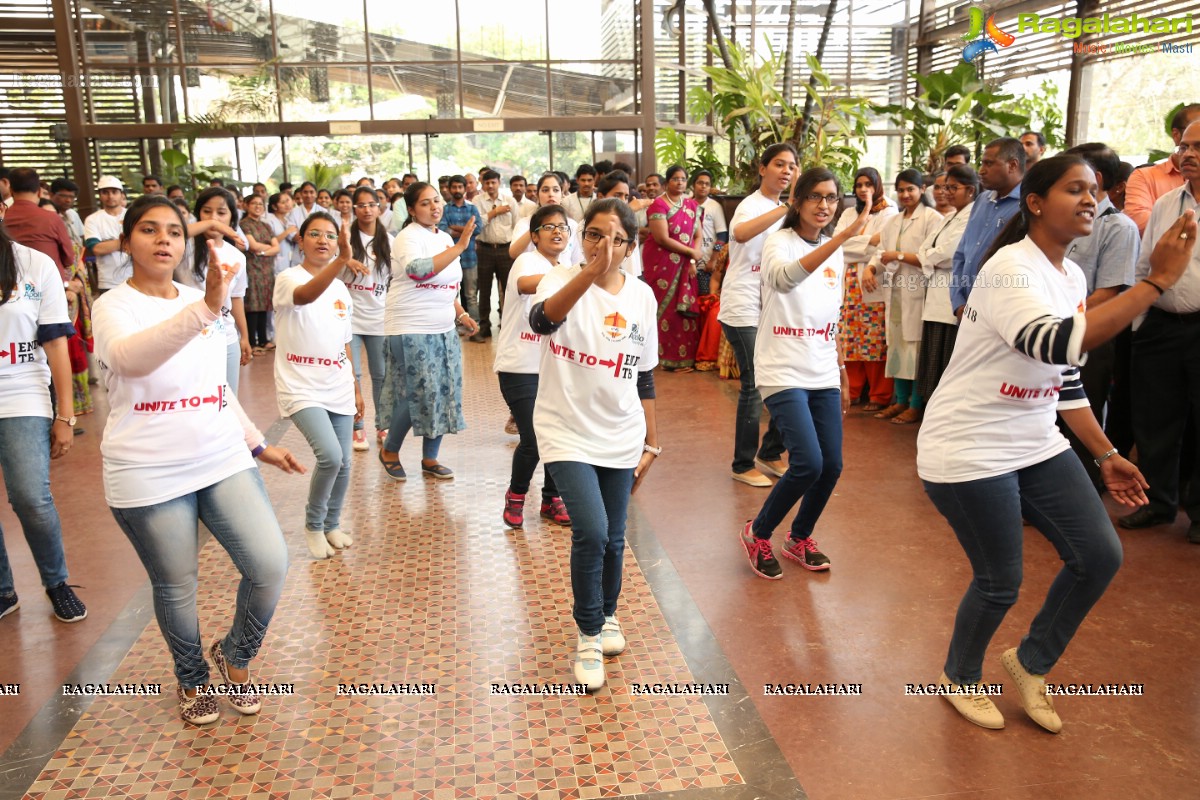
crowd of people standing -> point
(968, 305)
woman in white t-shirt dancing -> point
(371, 246)
(989, 452)
(800, 368)
(314, 383)
(179, 450)
(596, 371)
(518, 358)
(423, 387)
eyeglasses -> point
(953, 187)
(827, 199)
(317, 235)
(561, 227)
(366, 205)
(1185, 148)
(595, 236)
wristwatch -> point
(69, 420)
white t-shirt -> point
(796, 347)
(574, 252)
(713, 224)
(37, 299)
(311, 368)
(369, 293)
(587, 403)
(424, 304)
(171, 432)
(518, 348)
(226, 254)
(993, 411)
(740, 293)
(115, 267)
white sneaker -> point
(359, 439)
(338, 538)
(589, 662)
(612, 641)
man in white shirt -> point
(102, 234)
(518, 186)
(577, 203)
(1166, 372)
(499, 211)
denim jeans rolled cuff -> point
(372, 346)
(1057, 498)
(25, 462)
(810, 421)
(597, 498)
(519, 392)
(239, 514)
(749, 406)
(329, 436)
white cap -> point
(109, 182)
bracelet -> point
(258, 451)
(1161, 290)
(463, 314)
(842, 367)
(1107, 455)
(654, 451)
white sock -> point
(317, 545)
(338, 538)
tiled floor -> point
(435, 590)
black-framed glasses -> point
(596, 236)
(828, 199)
(561, 227)
(366, 205)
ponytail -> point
(8, 266)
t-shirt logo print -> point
(340, 309)
(616, 327)
(830, 276)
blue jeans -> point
(328, 435)
(749, 406)
(25, 462)
(401, 422)
(468, 291)
(810, 422)
(233, 365)
(239, 514)
(520, 392)
(1057, 497)
(373, 345)
(597, 499)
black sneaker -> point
(762, 560)
(9, 604)
(806, 553)
(67, 607)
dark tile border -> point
(756, 754)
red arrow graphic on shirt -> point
(12, 350)
(212, 399)
(616, 365)
(609, 363)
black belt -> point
(489, 244)
(1190, 317)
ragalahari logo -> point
(984, 38)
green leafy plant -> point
(1045, 114)
(748, 106)
(1155, 156)
(671, 147)
(954, 107)
(324, 176)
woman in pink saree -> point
(669, 265)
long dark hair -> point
(769, 155)
(1039, 180)
(805, 184)
(873, 175)
(914, 177)
(610, 181)
(199, 250)
(8, 266)
(965, 175)
(381, 246)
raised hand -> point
(1173, 251)
(216, 283)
